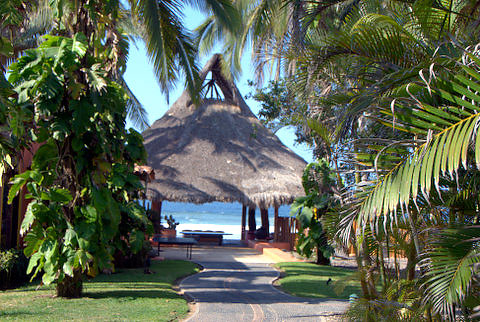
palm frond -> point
(449, 268)
(449, 131)
(166, 42)
(135, 110)
(224, 11)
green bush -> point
(13, 268)
(127, 259)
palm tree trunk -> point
(363, 282)
(412, 218)
(411, 259)
(363, 279)
(381, 262)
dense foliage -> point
(81, 180)
(391, 89)
(66, 103)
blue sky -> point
(141, 79)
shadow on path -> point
(236, 285)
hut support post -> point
(244, 219)
(275, 223)
(265, 223)
(252, 225)
(157, 215)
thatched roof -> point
(219, 151)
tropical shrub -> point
(81, 182)
(433, 187)
(317, 182)
(381, 310)
(127, 258)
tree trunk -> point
(383, 269)
(361, 269)
(411, 262)
(322, 260)
(412, 218)
(71, 287)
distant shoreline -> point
(226, 217)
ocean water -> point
(226, 217)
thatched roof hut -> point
(219, 151)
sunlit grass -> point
(128, 295)
(310, 280)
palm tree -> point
(168, 43)
(157, 23)
(417, 91)
(443, 160)
(405, 93)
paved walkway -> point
(236, 285)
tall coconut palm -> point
(168, 42)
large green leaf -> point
(20, 180)
(136, 240)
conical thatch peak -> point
(219, 151)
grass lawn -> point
(310, 280)
(126, 295)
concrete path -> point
(236, 285)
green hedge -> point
(13, 268)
